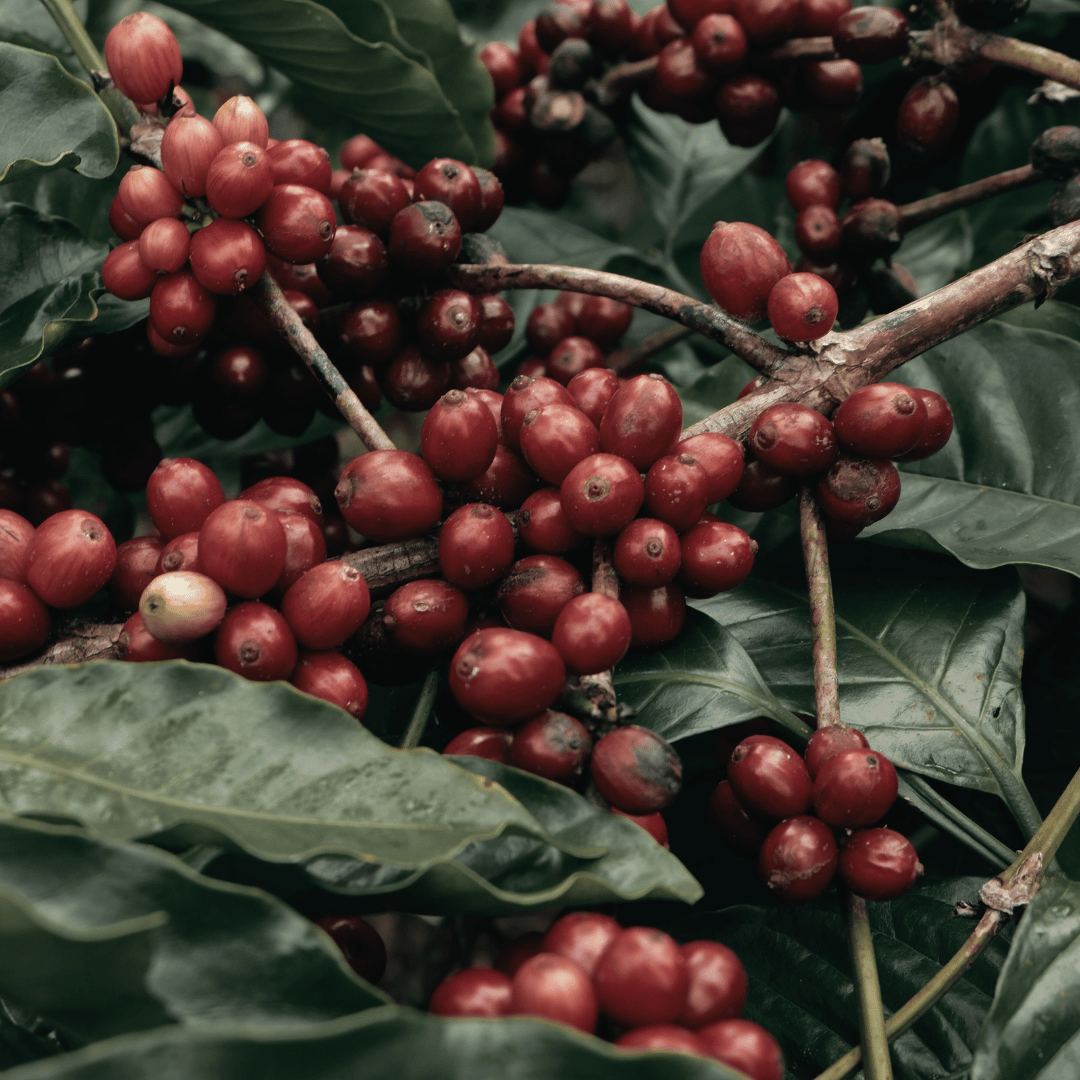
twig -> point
(813, 48)
(707, 320)
(303, 343)
(822, 614)
(875, 1046)
(624, 79)
(422, 710)
(624, 360)
(80, 641)
(933, 206)
(1024, 56)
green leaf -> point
(800, 975)
(928, 656)
(101, 938)
(191, 750)
(391, 97)
(25, 1037)
(51, 119)
(938, 252)
(702, 681)
(1033, 1029)
(379, 1043)
(1006, 488)
(1052, 315)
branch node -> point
(998, 896)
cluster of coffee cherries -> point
(788, 810)
(636, 985)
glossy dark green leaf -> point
(137, 750)
(379, 1043)
(393, 98)
(800, 975)
(1033, 1030)
(25, 1037)
(939, 251)
(1052, 315)
(928, 654)
(51, 119)
(1006, 488)
(101, 938)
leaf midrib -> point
(995, 490)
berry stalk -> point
(822, 612)
(933, 206)
(422, 710)
(875, 1045)
(1035, 59)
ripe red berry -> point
(359, 941)
(720, 456)
(636, 770)
(745, 1046)
(227, 256)
(121, 222)
(676, 491)
(552, 745)
(24, 620)
(881, 420)
(802, 307)
(475, 371)
(813, 183)
(554, 438)
(798, 859)
(298, 161)
(647, 553)
(148, 194)
(181, 553)
(15, 535)
(604, 320)
(769, 778)
(582, 936)
(143, 57)
(828, 741)
(506, 484)
(767, 22)
(871, 229)
(592, 633)
(878, 864)
(181, 606)
(667, 1038)
(356, 264)
(70, 556)
(549, 324)
(642, 421)
(793, 439)
(642, 978)
(817, 17)
(425, 238)
(285, 493)
(680, 74)
(136, 566)
(136, 645)
(476, 546)
(503, 677)
(188, 147)
(740, 264)
(449, 323)
(718, 984)
(125, 274)
(939, 425)
(305, 548)
(714, 557)
(371, 331)
(536, 590)
(834, 84)
(240, 180)
(242, 547)
(389, 495)
(328, 675)
(256, 642)
(497, 322)
(503, 66)
(453, 184)
(523, 395)
(858, 491)
(164, 245)
(855, 788)
(871, 35)
(544, 526)
(571, 356)
(748, 107)
(819, 233)
(425, 617)
(656, 615)
(592, 390)
(297, 223)
(241, 120)
(459, 437)
(731, 822)
(554, 988)
(483, 742)
(181, 309)
(720, 42)
(472, 992)
(371, 198)
(927, 117)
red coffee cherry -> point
(592, 390)
(503, 66)
(793, 439)
(449, 323)
(476, 371)
(188, 147)
(544, 526)
(181, 309)
(718, 984)
(283, 493)
(719, 42)
(653, 824)
(181, 606)
(483, 742)
(720, 456)
(372, 198)
(817, 17)
(328, 675)
(762, 488)
(136, 645)
(554, 988)
(769, 778)
(642, 977)
(476, 546)
(813, 183)
(356, 264)
(554, 438)
(767, 22)
(143, 57)
(242, 547)
(453, 184)
(572, 356)
(136, 566)
(679, 73)
(865, 168)
(425, 617)
(522, 396)
(611, 25)
(15, 535)
(748, 107)
(548, 325)
(858, 491)
(256, 642)
(181, 553)
(855, 788)
(239, 180)
(297, 223)
(503, 677)
(164, 245)
(676, 491)
(425, 238)
(536, 590)
(552, 745)
(121, 222)
(818, 233)
(636, 770)
(647, 553)
(798, 859)
(472, 992)
(602, 494)
(604, 320)
(326, 605)
(642, 421)
(506, 484)
(714, 557)
(802, 307)
(125, 274)
(592, 633)
(24, 620)
(656, 615)
(582, 936)
(241, 120)
(669, 1038)
(881, 420)
(459, 437)
(227, 256)
(740, 264)
(832, 84)
(372, 332)
(878, 864)
(496, 323)
(389, 495)
(70, 556)
(359, 941)
(827, 742)
(731, 822)
(927, 117)
(871, 228)
(870, 35)
(939, 425)
(745, 1046)
(297, 161)
(148, 194)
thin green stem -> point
(875, 1045)
(421, 711)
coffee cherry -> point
(554, 988)
(667, 1038)
(372, 332)
(143, 57)
(472, 992)
(329, 676)
(927, 117)
(878, 864)
(592, 633)
(544, 526)
(855, 788)
(227, 256)
(241, 120)
(24, 620)
(425, 238)
(829, 741)
(372, 198)
(592, 390)
(136, 645)
(679, 73)
(476, 546)
(642, 421)
(359, 942)
(730, 821)
(125, 274)
(181, 309)
(744, 1046)
(506, 484)
(762, 488)
(611, 25)
(647, 553)
(818, 233)
(858, 491)
(181, 553)
(676, 491)
(188, 147)
(769, 778)
(1055, 154)
(604, 320)
(285, 494)
(484, 742)
(798, 859)
(459, 437)
(714, 557)
(503, 66)
(297, 223)
(767, 22)
(657, 616)
(425, 617)
(453, 184)
(256, 642)
(871, 35)
(719, 42)
(636, 770)
(69, 557)
(326, 605)
(242, 547)
(147, 194)
(722, 459)
(503, 677)
(813, 183)
(181, 606)
(305, 548)
(832, 84)
(298, 161)
(554, 438)
(802, 307)
(718, 984)
(881, 420)
(939, 425)
(536, 590)
(122, 223)
(449, 324)
(552, 745)
(496, 323)
(740, 264)
(793, 439)
(641, 978)
(356, 264)
(582, 936)
(602, 494)
(524, 395)
(871, 228)
(389, 495)
(15, 535)
(136, 565)
(548, 324)
(476, 371)
(865, 168)
(572, 356)
(164, 245)
(748, 107)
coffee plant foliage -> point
(164, 828)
